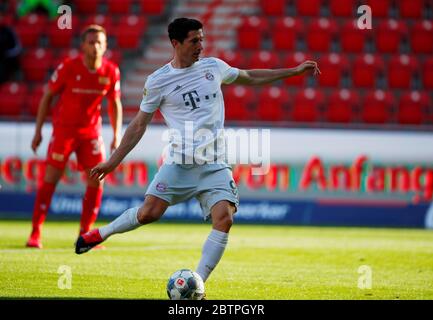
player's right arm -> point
(132, 136)
(44, 106)
(151, 101)
(55, 86)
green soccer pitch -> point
(260, 262)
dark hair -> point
(178, 29)
(90, 29)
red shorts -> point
(89, 151)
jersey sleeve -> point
(151, 97)
(114, 91)
(228, 73)
(59, 77)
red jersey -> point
(78, 110)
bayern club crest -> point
(161, 187)
(209, 76)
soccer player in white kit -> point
(187, 91)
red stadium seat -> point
(352, 38)
(401, 71)
(380, 8)
(264, 60)
(13, 95)
(30, 29)
(63, 54)
(105, 21)
(427, 74)
(36, 63)
(34, 20)
(119, 6)
(233, 58)
(292, 60)
(308, 8)
(152, 7)
(366, 69)
(7, 20)
(421, 37)
(332, 67)
(157, 115)
(130, 30)
(341, 106)
(411, 8)
(377, 107)
(238, 101)
(320, 34)
(62, 38)
(389, 35)
(271, 104)
(35, 98)
(133, 21)
(87, 6)
(250, 32)
(114, 55)
(344, 8)
(306, 107)
(273, 8)
(413, 108)
(285, 32)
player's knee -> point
(149, 212)
(223, 222)
(52, 174)
(148, 215)
(94, 183)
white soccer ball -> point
(185, 284)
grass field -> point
(261, 262)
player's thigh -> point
(58, 153)
(90, 152)
(173, 184)
(216, 186)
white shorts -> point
(208, 183)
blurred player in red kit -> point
(81, 83)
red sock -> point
(91, 203)
(42, 204)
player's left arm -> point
(115, 114)
(265, 76)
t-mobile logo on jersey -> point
(192, 98)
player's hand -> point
(309, 66)
(101, 170)
(36, 141)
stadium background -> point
(372, 105)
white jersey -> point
(191, 102)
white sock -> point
(127, 221)
(212, 252)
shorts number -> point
(96, 146)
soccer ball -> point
(185, 284)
